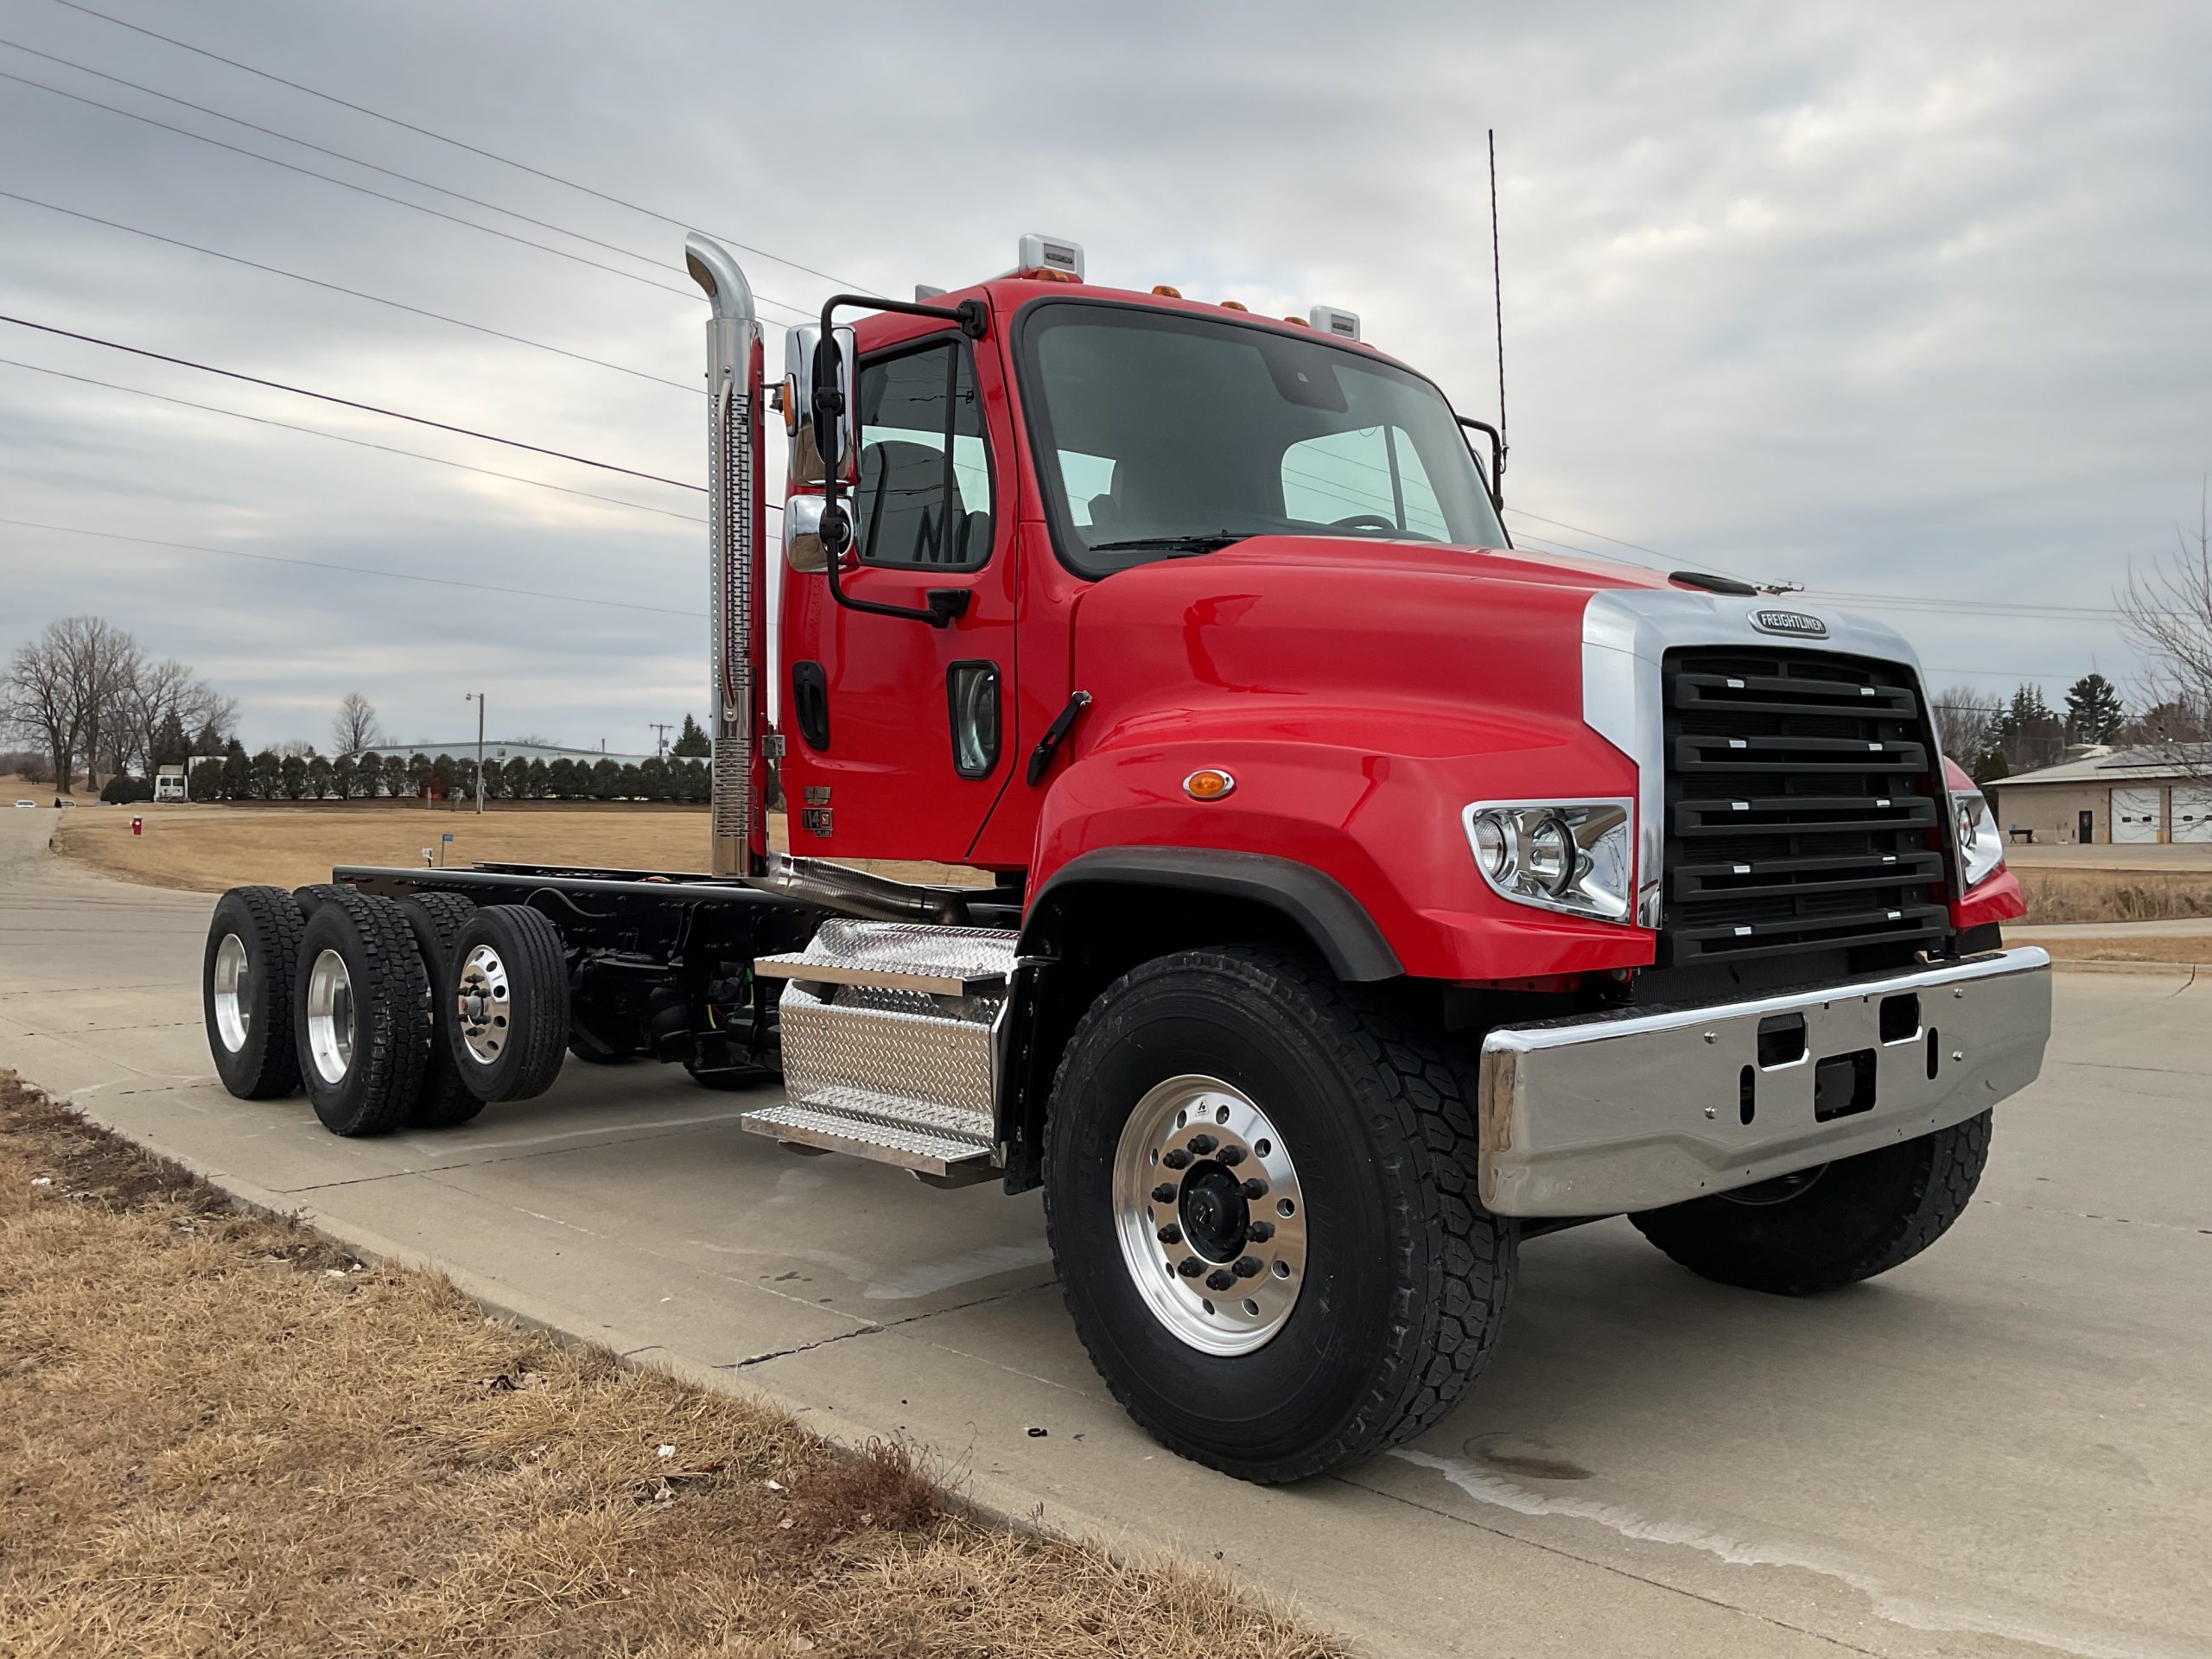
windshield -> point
(1160, 435)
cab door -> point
(900, 735)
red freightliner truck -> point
(1368, 896)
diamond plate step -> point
(865, 1133)
(890, 1036)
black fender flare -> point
(1336, 924)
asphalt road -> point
(1999, 1449)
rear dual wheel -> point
(361, 1014)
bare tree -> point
(104, 664)
(355, 727)
(169, 689)
(40, 701)
(1965, 720)
(2166, 613)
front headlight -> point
(1981, 847)
(1574, 857)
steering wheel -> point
(1363, 521)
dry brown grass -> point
(2055, 895)
(2185, 949)
(209, 849)
(219, 1435)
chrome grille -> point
(1804, 805)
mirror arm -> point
(944, 603)
(1497, 457)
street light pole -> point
(477, 697)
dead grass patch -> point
(219, 1434)
(210, 848)
(2188, 949)
(2115, 895)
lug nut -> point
(1220, 1279)
(1230, 1156)
(1260, 1231)
(1164, 1194)
(1177, 1159)
(1190, 1266)
(1256, 1188)
(1203, 1144)
(1170, 1234)
(1247, 1266)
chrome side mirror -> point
(803, 549)
(812, 378)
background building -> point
(2101, 795)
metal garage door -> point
(2193, 812)
(2135, 814)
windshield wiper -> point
(1209, 541)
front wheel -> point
(1831, 1226)
(1259, 1186)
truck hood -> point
(1366, 627)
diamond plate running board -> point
(892, 1039)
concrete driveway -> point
(1999, 1449)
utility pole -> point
(660, 742)
(477, 697)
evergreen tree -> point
(395, 776)
(605, 780)
(171, 746)
(561, 779)
(319, 777)
(268, 776)
(235, 781)
(292, 776)
(2095, 713)
(370, 772)
(691, 742)
(346, 777)
(536, 783)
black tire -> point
(366, 1087)
(263, 1066)
(522, 1019)
(437, 919)
(1406, 1275)
(1849, 1220)
(310, 898)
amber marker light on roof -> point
(1165, 292)
(1235, 305)
(1208, 784)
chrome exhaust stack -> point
(737, 608)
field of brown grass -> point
(209, 849)
(224, 1436)
(2060, 895)
(2186, 950)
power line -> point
(355, 160)
(358, 443)
(347, 184)
(335, 288)
(347, 403)
(491, 155)
(360, 570)
(1581, 529)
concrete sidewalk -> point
(1997, 1450)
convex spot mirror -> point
(803, 549)
(812, 368)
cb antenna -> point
(1497, 296)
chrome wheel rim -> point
(330, 1017)
(1209, 1216)
(482, 1004)
(233, 989)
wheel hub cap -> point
(482, 1004)
(1208, 1214)
(330, 1017)
(233, 993)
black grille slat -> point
(1803, 806)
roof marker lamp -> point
(1981, 847)
(1576, 857)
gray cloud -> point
(1884, 299)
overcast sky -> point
(1893, 300)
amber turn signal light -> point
(1208, 784)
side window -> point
(1368, 473)
(925, 495)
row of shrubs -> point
(270, 777)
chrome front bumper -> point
(1630, 1110)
